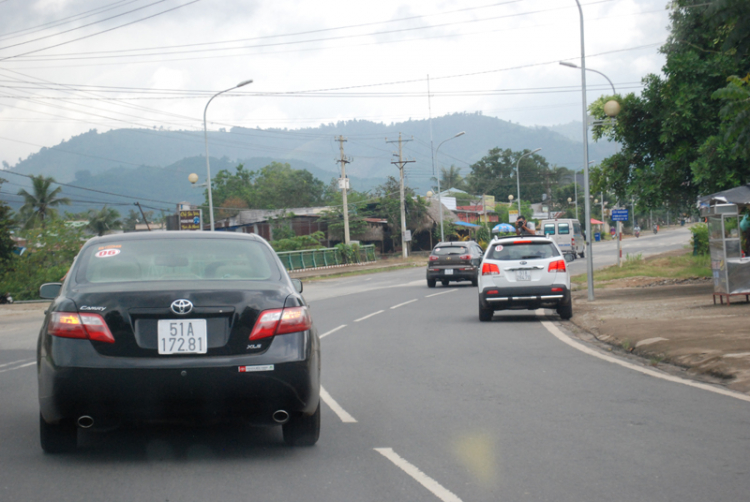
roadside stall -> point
(730, 259)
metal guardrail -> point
(324, 258)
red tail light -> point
(490, 269)
(557, 290)
(281, 321)
(433, 257)
(492, 292)
(558, 265)
(75, 325)
(465, 257)
(522, 242)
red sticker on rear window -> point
(106, 253)
(498, 248)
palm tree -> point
(41, 204)
(451, 178)
(100, 222)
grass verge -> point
(672, 267)
(364, 271)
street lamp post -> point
(208, 165)
(518, 177)
(440, 203)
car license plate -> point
(448, 271)
(523, 275)
(182, 336)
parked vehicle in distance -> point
(454, 261)
(567, 234)
(177, 326)
(524, 273)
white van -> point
(566, 233)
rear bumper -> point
(237, 387)
(463, 273)
(529, 297)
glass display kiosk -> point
(731, 270)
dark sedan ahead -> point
(177, 326)
(454, 261)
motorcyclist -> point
(637, 231)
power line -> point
(101, 32)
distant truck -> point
(566, 233)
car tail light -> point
(75, 325)
(490, 269)
(522, 242)
(281, 321)
(573, 242)
(557, 290)
(492, 292)
(558, 265)
(433, 257)
(465, 257)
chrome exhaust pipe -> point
(280, 416)
(85, 422)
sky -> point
(69, 66)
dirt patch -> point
(672, 321)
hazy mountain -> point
(154, 164)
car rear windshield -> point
(524, 250)
(177, 260)
(448, 250)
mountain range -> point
(152, 165)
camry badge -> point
(182, 307)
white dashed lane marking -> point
(441, 293)
(423, 479)
(332, 331)
(402, 304)
(369, 315)
(336, 408)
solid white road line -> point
(586, 350)
(18, 367)
(337, 409)
(332, 331)
(369, 315)
(441, 293)
(14, 362)
(436, 488)
(402, 304)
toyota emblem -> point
(182, 307)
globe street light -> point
(440, 203)
(208, 165)
(518, 177)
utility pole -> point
(400, 164)
(144, 215)
(344, 185)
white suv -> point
(524, 273)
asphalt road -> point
(423, 403)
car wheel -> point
(57, 438)
(475, 281)
(431, 283)
(582, 255)
(485, 315)
(302, 430)
(565, 311)
(445, 283)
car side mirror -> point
(50, 290)
(297, 285)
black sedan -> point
(177, 326)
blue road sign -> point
(620, 215)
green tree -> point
(39, 206)
(237, 186)
(104, 220)
(673, 146)
(49, 255)
(451, 178)
(389, 207)
(333, 217)
(495, 174)
(6, 243)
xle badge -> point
(253, 346)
